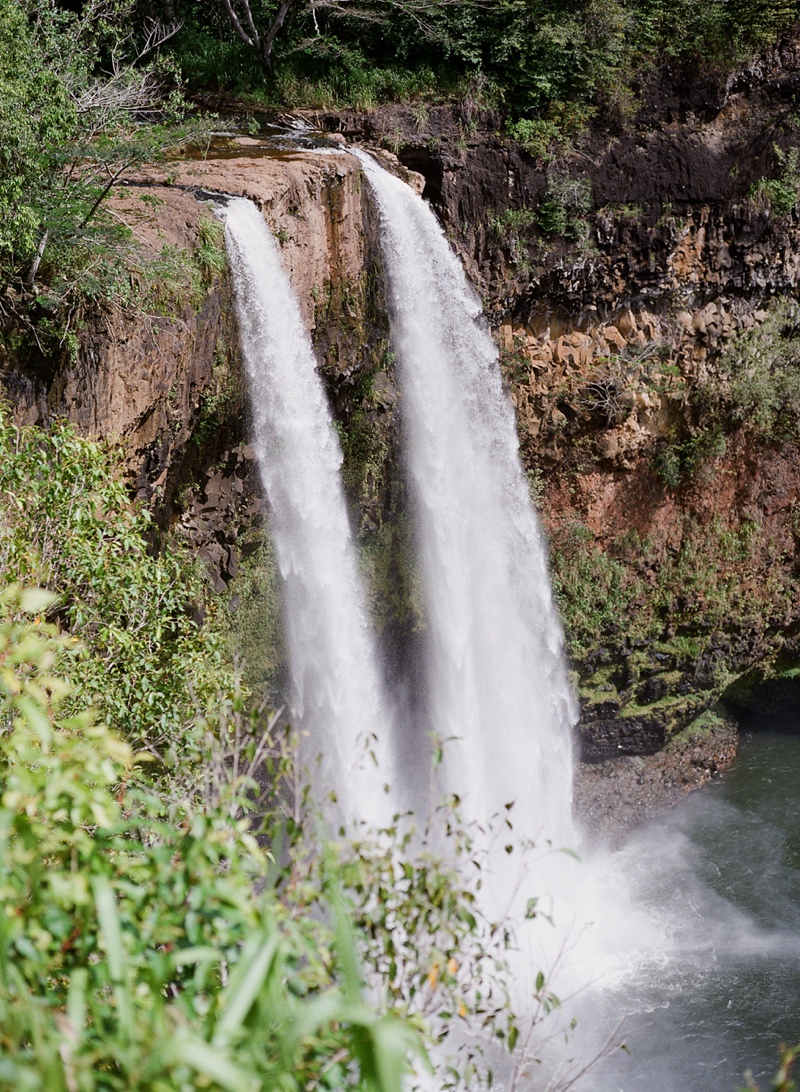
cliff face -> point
(161, 374)
(623, 280)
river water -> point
(723, 872)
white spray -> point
(336, 684)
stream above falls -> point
(722, 872)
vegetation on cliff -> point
(549, 62)
(86, 97)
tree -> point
(86, 97)
(77, 92)
(258, 27)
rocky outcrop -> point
(161, 374)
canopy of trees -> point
(531, 52)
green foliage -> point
(784, 1080)
(593, 589)
(551, 136)
(513, 228)
(84, 100)
(209, 255)
(781, 194)
(562, 211)
(176, 277)
(140, 950)
(147, 938)
(349, 80)
(254, 623)
(512, 222)
(37, 117)
(638, 586)
(69, 526)
(759, 371)
(679, 461)
(547, 64)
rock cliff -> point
(622, 280)
(628, 281)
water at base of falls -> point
(337, 692)
(721, 875)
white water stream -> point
(496, 677)
(497, 686)
(337, 693)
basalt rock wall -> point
(620, 276)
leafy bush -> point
(69, 526)
(680, 460)
(561, 211)
(147, 938)
(781, 194)
(176, 277)
(548, 137)
(512, 222)
(593, 589)
(759, 374)
(140, 950)
(85, 98)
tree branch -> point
(237, 26)
(104, 193)
(33, 269)
(280, 19)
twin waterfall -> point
(494, 698)
(496, 695)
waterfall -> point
(337, 695)
(496, 677)
(499, 695)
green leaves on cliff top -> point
(85, 99)
(526, 56)
(37, 119)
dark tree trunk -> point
(266, 48)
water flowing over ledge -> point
(498, 692)
(337, 694)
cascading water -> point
(498, 691)
(498, 695)
(498, 688)
(336, 683)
